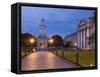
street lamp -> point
(75, 44)
(51, 41)
(32, 40)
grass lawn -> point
(85, 58)
(70, 56)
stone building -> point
(81, 37)
(85, 29)
(42, 39)
(71, 37)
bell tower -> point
(42, 28)
(42, 38)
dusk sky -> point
(58, 21)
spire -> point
(42, 23)
(42, 20)
(42, 27)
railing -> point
(27, 51)
(83, 58)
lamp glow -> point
(32, 40)
(51, 40)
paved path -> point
(44, 60)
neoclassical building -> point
(85, 29)
(42, 39)
(81, 37)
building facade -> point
(72, 37)
(42, 39)
(85, 29)
(81, 37)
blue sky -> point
(58, 21)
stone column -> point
(89, 35)
(81, 38)
(78, 39)
(87, 38)
(84, 39)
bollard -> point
(77, 57)
(62, 53)
(25, 53)
(56, 52)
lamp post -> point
(51, 41)
(77, 54)
(75, 44)
(32, 40)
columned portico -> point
(82, 38)
(87, 39)
(85, 29)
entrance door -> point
(42, 44)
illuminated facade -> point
(81, 37)
(85, 29)
(42, 38)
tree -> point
(92, 39)
(28, 40)
(93, 18)
(57, 41)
